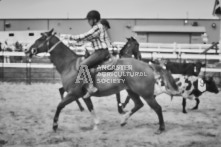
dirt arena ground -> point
(26, 114)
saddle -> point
(109, 61)
(107, 65)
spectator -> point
(205, 38)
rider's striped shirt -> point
(97, 36)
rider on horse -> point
(98, 36)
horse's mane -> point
(124, 47)
(69, 50)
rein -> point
(51, 49)
(54, 46)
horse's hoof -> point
(81, 109)
(184, 112)
(55, 127)
(194, 108)
(159, 131)
(121, 111)
(123, 124)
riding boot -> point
(91, 87)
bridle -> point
(47, 41)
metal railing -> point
(148, 51)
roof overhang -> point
(169, 29)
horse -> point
(67, 65)
(130, 49)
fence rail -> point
(51, 66)
(145, 55)
(45, 72)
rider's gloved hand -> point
(65, 36)
(79, 44)
(75, 38)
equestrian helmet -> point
(94, 14)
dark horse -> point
(67, 62)
(130, 49)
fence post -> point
(53, 70)
(219, 48)
(28, 71)
(174, 47)
(3, 58)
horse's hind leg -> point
(90, 107)
(137, 105)
(67, 100)
(119, 104)
(157, 108)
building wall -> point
(213, 33)
(1, 25)
(168, 38)
(69, 26)
(120, 28)
(20, 25)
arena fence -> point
(16, 67)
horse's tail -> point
(167, 78)
(170, 83)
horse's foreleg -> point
(184, 105)
(119, 104)
(157, 108)
(137, 105)
(197, 104)
(79, 105)
(62, 91)
(90, 107)
(67, 100)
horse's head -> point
(198, 66)
(42, 44)
(130, 48)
